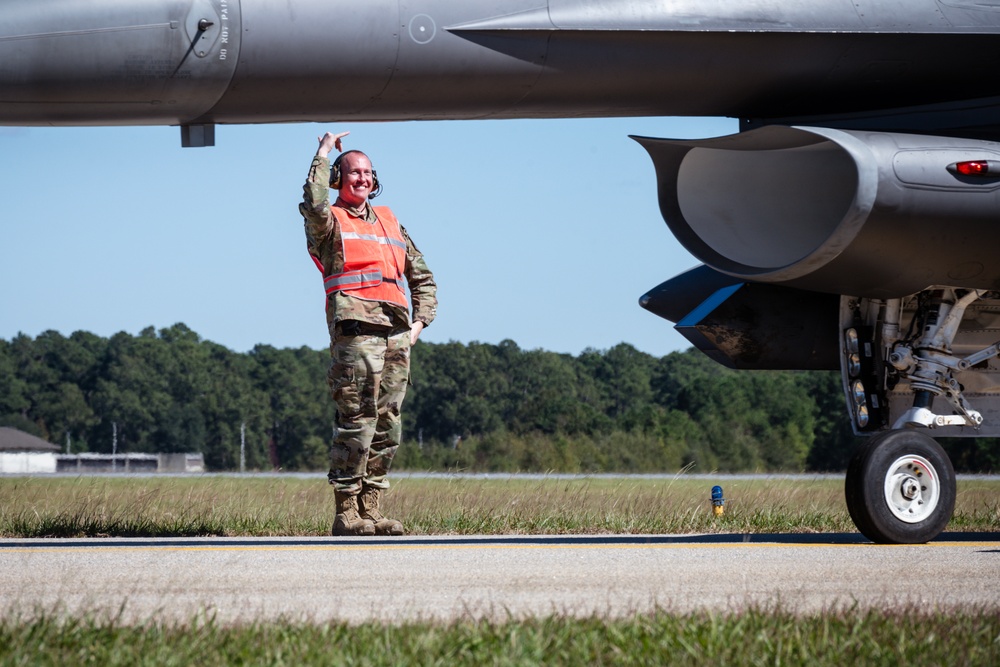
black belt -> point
(359, 328)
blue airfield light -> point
(718, 502)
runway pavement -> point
(446, 578)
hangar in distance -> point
(850, 225)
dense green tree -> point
(458, 390)
(133, 394)
(472, 407)
(835, 441)
(52, 375)
(235, 412)
(623, 377)
(298, 403)
(14, 403)
(973, 454)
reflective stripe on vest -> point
(372, 237)
(374, 257)
(352, 280)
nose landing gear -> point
(900, 485)
(900, 488)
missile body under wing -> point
(191, 62)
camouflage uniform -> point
(369, 346)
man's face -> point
(355, 179)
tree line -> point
(475, 406)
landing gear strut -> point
(900, 488)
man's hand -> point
(415, 330)
(328, 142)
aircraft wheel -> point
(900, 488)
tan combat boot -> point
(368, 503)
(347, 521)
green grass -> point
(836, 638)
(97, 506)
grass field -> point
(274, 505)
(914, 638)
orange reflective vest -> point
(374, 258)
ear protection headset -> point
(335, 175)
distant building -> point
(130, 462)
(23, 453)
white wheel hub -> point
(912, 488)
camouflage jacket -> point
(323, 242)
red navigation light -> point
(976, 168)
(973, 168)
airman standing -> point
(368, 263)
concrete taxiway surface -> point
(445, 578)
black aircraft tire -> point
(854, 489)
(900, 488)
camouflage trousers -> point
(367, 378)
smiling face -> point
(355, 179)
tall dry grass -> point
(297, 506)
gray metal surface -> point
(456, 578)
(861, 213)
(67, 62)
(112, 62)
(981, 382)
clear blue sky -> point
(544, 232)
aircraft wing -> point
(918, 65)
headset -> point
(335, 175)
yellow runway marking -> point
(470, 547)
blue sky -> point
(545, 232)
